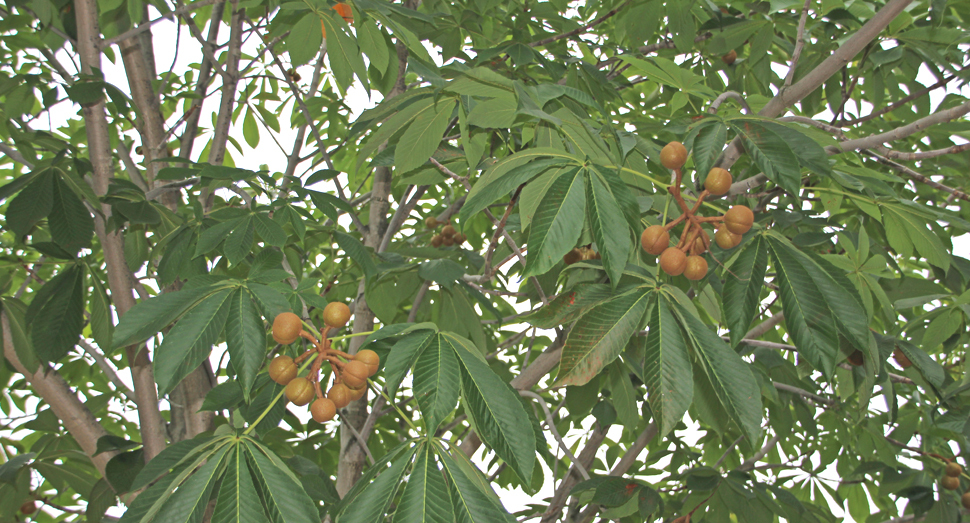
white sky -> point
(267, 152)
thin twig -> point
(799, 43)
(734, 95)
(551, 423)
(181, 10)
(579, 30)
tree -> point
(482, 223)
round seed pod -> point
(336, 314)
(339, 394)
(282, 369)
(673, 261)
(299, 391)
(696, 268)
(673, 155)
(323, 410)
(655, 239)
(286, 328)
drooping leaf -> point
(190, 341)
(471, 504)
(15, 312)
(282, 493)
(56, 325)
(423, 136)
(374, 500)
(150, 316)
(557, 224)
(189, 502)
(610, 229)
(731, 378)
(245, 339)
(500, 419)
(667, 368)
(70, 222)
(743, 282)
(569, 306)
(426, 495)
(436, 383)
(598, 337)
(402, 357)
(33, 204)
(771, 153)
(238, 501)
(102, 324)
(507, 174)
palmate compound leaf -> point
(744, 281)
(426, 496)
(498, 415)
(150, 316)
(732, 380)
(245, 339)
(770, 152)
(667, 368)
(189, 502)
(283, 494)
(600, 335)
(402, 357)
(557, 224)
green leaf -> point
(245, 339)
(807, 317)
(707, 143)
(569, 305)
(213, 236)
(173, 455)
(499, 417)
(770, 152)
(436, 383)
(304, 40)
(345, 57)
(423, 136)
(508, 173)
(250, 129)
(744, 281)
(271, 301)
(189, 502)
(225, 395)
(190, 341)
(916, 233)
(731, 378)
(282, 493)
(33, 204)
(425, 497)
(557, 224)
(416, 104)
(102, 324)
(239, 243)
(70, 222)
(610, 230)
(470, 502)
(356, 251)
(15, 312)
(666, 369)
(682, 24)
(149, 317)
(497, 113)
(238, 500)
(58, 323)
(932, 371)
(402, 356)
(270, 231)
(374, 500)
(599, 337)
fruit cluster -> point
(580, 254)
(350, 371)
(687, 256)
(448, 235)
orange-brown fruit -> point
(448, 241)
(344, 11)
(448, 231)
(299, 391)
(339, 394)
(282, 369)
(902, 359)
(573, 256)
(437, 240)
(718, 181)
(738, 219)
(369, 358)
(696, 268)
(323, 410)
(336, 314)
(726, 239)
(655, 239)
(856, 358)
(286, 328)
(681, 519)
(431, 222)
(698, 248)
(673, 155)
(953, 469)
(950, 482)
(356, 394)
(295, 76)
(965, 499)
(355, 374)
(460, 239)
(730, 57)
(673, 261)
(597, 256)
(29, 507)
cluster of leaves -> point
(564, 134)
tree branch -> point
(734, 95)
(919, 177)
(551, 423)
(799, 43)
(187, 142)
(749, 463)
(805, 394)
(899, 133)
(579, 30)
(181, 10)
